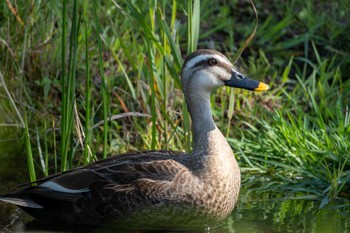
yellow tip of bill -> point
(262, 87)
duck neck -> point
(205, 132)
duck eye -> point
(212, 62)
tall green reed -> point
(88, 110)
(68, 80)
(162, 54)
(29, 153)
(193, 28)
(103, 83)
(68, 88)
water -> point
(255, 212)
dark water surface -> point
(255, 212)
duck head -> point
(206, 69)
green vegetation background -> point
(83, 80)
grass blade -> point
(103, 83)
(30, 159)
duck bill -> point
(240, 81)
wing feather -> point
(114, 185)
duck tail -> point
(20, 201)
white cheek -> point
(208, 81)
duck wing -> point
(110, 187)
(139, 183)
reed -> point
(103, 83)
(68, 81)
(29, 153)
(88, 110)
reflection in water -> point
(289, 216)
(256, 213)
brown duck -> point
(154, 189)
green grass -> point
(305, 143)
(94, 80)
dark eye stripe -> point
(204, 63)
(200, 64)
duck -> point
(155, 189)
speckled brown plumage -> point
(152, 189)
